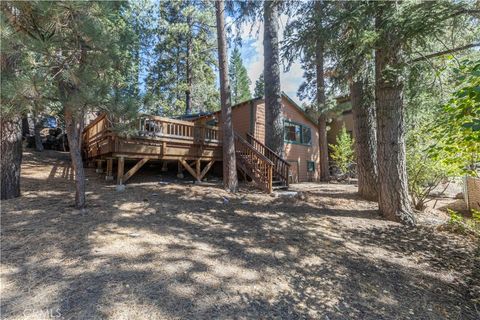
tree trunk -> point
(364, 127)
(271, 72)
(322, 119)
(393, 198)
(230, 181)
(37, 127)
(11, 157)
(74, 127)
(188, 96)
(25, 126)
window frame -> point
(308, 163)
(302, 127)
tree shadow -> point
(183, 251)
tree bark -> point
(393, 200)
(230, 181)
(271, 72)
(74, 128)
(320, 96)
(364, 127)
(10, 157)
(188, 66)
(37, 127)
(25, 126)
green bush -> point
(425, 171)
(342, 151)
(459, 224)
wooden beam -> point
(135, 168)
(198, 167)
(109, 166)
(189, 169)
(120, 170)
(205, 170)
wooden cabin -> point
(301, 149)
(197, 144)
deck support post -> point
(180, 170)
(134, 169)
(99, 166)
(189, 168)
(198, 170)
(120, 170)
(164, 166)
(109, 176)
(205, 170)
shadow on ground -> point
(186, 251)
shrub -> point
(342, 151)
(425, 171)
(459, 224)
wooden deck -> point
(155, 138)
(195, 147)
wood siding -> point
(297, 154)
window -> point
(310, 166)
(297, 133)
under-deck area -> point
(195, 147)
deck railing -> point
(154, 126)
(254, 164)
(280, 166)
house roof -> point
(284, 95)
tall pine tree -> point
(182, 77)
(239, 80)
(259, 90)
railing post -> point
(270, 178)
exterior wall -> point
(259, 121)
(336, 126)
(299, 154)
(296, 154)
(241, 119)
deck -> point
(195, 147)
(152, 138)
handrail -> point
(254, 163)
(258, 153)
(164, 127)
(281, 166)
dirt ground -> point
(183, 251)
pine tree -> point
(230, 181)
(259, 91)
(239, 80)
(307, 37)
(271, 72)
(85, 48)
(182, 78)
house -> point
(343, 116)
(301, 149)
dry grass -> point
(168, 251)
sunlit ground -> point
(159, 251)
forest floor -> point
(179, 250)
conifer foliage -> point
(239, 80)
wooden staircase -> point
(268, 170)
(281, 168)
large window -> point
(297, 133)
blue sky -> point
(252, 55)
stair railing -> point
(280, 166)
(258, 167)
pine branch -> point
(441, 53)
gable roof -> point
(284, 95)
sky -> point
(252, 55)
